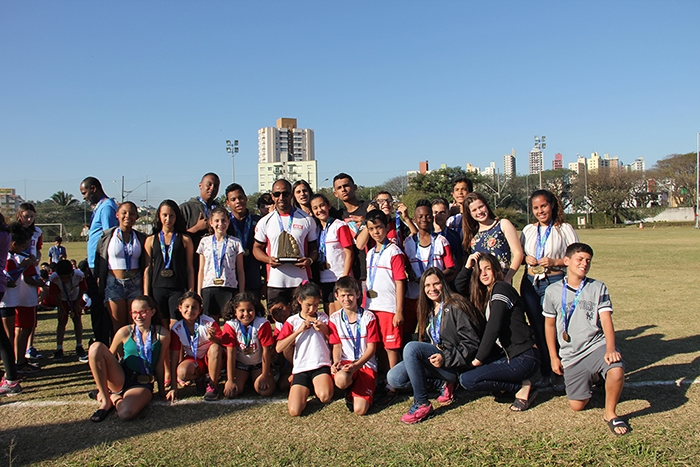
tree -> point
(612, 192)
(396, 186)
(679, 170)
(438, 183)
(64, 199)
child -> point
(57, 252)
(195, 347)
(386, 285)
(577, 314)
(18, 306)
(9, 384)
(197, 211)
(335, 249)
(279, 310)
(354, 336)
(249, 348)
(307, 331)
(66, 289)
(26, 215)
(440, 209)
(221, 269)
(461, 187)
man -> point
(285, 274)
(104, 216)
(196, 211)
(353, 214)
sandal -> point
(521, 405)
(617, 422)
(92, 394)
(100, 414)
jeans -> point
(415, 370)
(533, 296)
(501, 374)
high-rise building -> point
(558, 162)
(579, 166)
(286, 151)
(490, 171)
(509, 164)
(471, 169)
(536, 161)
(637, 166)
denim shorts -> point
(123, 289)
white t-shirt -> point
(268, 230)
(23, 294)
(455, 223)
(369, 332)
(441, 258)
(180, 338)
(228, 270)
(337, 238)
(74, 288)
(560, 237)
(310, 348)
(261, 336)
(383, 270)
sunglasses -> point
(277, 194)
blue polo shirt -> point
(103, 217)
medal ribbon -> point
(206, 208)
(145, 351)
(167, 249)
(128, 247)
(568, 313)
(322, 241)
(372, 268)
(289, 225)
(194, 337)
(354, 338)
(398, 229)
(242, 235)
(435, 328)
(219, 262)
(541, 241)
(422, 266)
(17, 272)
(247, 334)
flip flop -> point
(521, 405)
(100, 414)
(92, 394)
(617, 422)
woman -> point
(119, 263)
(127, 386)
(453, 327)
(302, 196)
(169, 269)
(507, 356)
(544, 242)
(485, 233)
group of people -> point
(368, 299)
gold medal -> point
(218, 282)
(248, 350)
(372, 294)
(167, 273)
(538, 270)
(565, 335)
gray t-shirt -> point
(584, 325)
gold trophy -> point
(287, 248)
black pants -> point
(7, 353)
(99, 314)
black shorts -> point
(327, 289)
(287, 293)
(8, 313)
(130, 381)
(248, 368)
(214, 299)
(306, 378)
(167, 299)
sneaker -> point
(28, 368)
(385, 397)
(9, 389)
(211, 394)
(32, 354)
(447, 394)
(418, 413)
(82, 354)
(57, 356)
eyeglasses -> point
(277, 194)
(139, 312)
(381, 201)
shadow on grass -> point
(641, 351)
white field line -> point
(8, 403)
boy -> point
(386, 285)
(66, 289)
(57, 252)
(461, 187)
(196, 210)
(577, 314)
(440, 209)
(354, 336)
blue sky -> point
(153, 89)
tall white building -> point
(637, 166)
(536, 161)
(490, 171)
(286, 151)
(509, 164)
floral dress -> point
(493, 241)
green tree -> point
(612, 193)
(439, 182)
(678, 172)
(63, 199)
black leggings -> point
(8, 355)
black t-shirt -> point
(359, 264)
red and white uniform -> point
(69, 292)
(389, 266)
(338, 237)
(441, 258)
(228, 270)
(261, 337)
(310, 348)
(23, 295)
(37, 242)
(179, 339)
(369, 332)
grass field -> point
(652, 275)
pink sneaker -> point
(418, 413)
(9, 389)
(447, 394)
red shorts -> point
(25, 317)
(365, 383)
(202, 363)
(391, 335)
(410, 319)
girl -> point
(26, 215)
(249, 351)
(221, 273)
(453, 326)
(302, 196)
(10, 382)
(127, 386)
(169, 252)
(119, 263)
(507, 356)
(307, 331)
(335, 250)
(195, 348)
(544, 243)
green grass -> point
(652, 276)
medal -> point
(219, 261)
(218, 282)
(248, 350)
(167, 273)
(372, 293)
(372, 269)
(537, 270)
(565, 335)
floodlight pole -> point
(232, 148)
